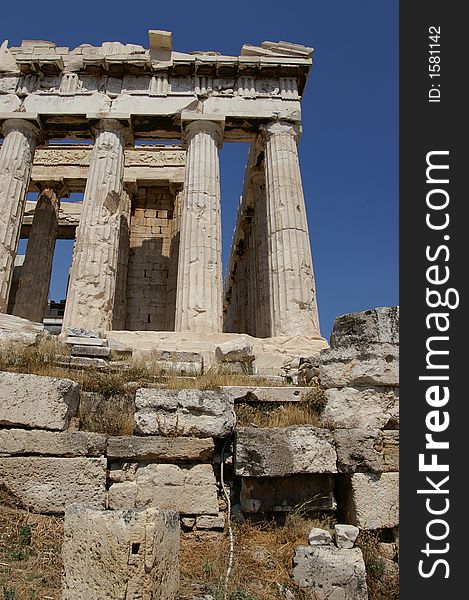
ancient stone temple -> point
(140, 131)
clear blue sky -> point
(349, 147)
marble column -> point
(120, 301)
(92, 286)
(293, 307)
(171, 290)
(33, 286)
(16, 159)
(199, 283)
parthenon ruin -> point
(148, 252)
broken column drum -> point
(150, 258)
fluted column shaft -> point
(199, 288)
(34, 281)
(16, 159)
(293, 306)
(92, 286)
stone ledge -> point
(51, 443)
(181, 449)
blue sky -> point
(349, 146)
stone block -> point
(265, 394)
(319, 537)
(177, 363)
(51, 443)
(362, 408)
(369, 500)
(210, 521)
(37, 402)
(123, 554)
(236, 350)
(159, 448)
(345, 535)
(331, 573)
(379, 325)
(281, 451)
(367, 450)
(49, 485)
(195, 413)
(83, 341)
(373, 365)
(282, 494)
(91, 351)
(17, 329)
(189, 489)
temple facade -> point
(147, 125)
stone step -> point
(85, 341)
(266, 393)
(90, 351)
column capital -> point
(25, 126)
(117, 123)
(57, 186)
(192, 124)
(281, 128)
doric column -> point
(34, 281)
(120, 302)
(293, 306)
(199, 288)
(171, 290)
(16, 159)
(92, 286)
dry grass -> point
(307, 411)
(381, 584)
(41, 359)
(109, 414)
(30, 560)
(262, 560)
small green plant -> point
(9, 594)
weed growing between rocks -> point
(30, 555)
(382, 576)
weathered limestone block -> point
(49, 485)
(379, 325)
(210, 522)
(16, 158)
(37, 402)
(16, 329)
(90, 351)
(191, 490)
(293, 306)
(376, 364)
(266, 394)
(362, 408)
(122, 555)
(345, 535)
(180, 363)
(308, 369)
(158, 448)
(332, 573)
(282, 494)
(280, 451)
(199, 288)
(319, 537)
(196, 413)
(365, 450)
(237, 350)
(51, 443)
(369, 501)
